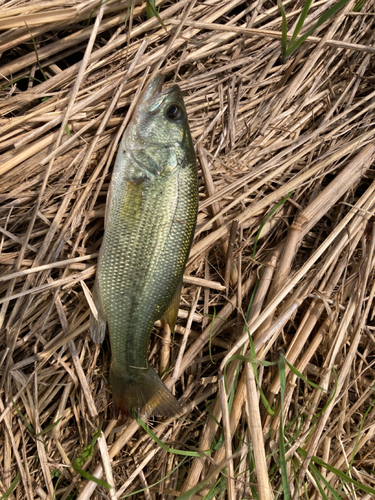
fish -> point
(150, 221)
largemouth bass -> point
(150, 221)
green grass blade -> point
(147, 429)
(305, 490)
(20, 414)
(188, 494)
(320, 487)
(150, 7)
(12, 82)
(284, 474)
(284, 29)
(279, 491)
(327, 15)
(339, 473)
(93, 12)
(49, 428)
(89, 477)
(36, 53)
(251, 464)
(265, 402)
(319, 478)
(234, 386)
(231, 395)
(248, 312)
(254, 361)
(358, 6)
(302, 377)
(157, 482)
(301, 20)
(217, 488)
(253, 358)
(250, 359)
(357, 438)
(56, 474)
(13, 484)
(359, 433)
(266, 219)
(151, 12)
(210, 412)
(263, 397)
(294, 469)
(323, 18)
(127, 17)
(86, 454)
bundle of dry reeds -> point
(273, 354)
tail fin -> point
(142, 391)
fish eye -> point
(174, 112)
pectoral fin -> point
(132, 207)
(97, 324)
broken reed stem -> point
(185, 337)
(165, 348)
(272, 34)
(227, 439)
(257, 440)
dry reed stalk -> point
(313, 213)
(263, 129)
(227, 439)
(255, 426)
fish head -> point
(160, 117)
(158, 135)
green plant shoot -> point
(85, 455)
(287, 49)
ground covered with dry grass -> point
(273, 354)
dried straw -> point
(282, 260)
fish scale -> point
(128, 292)
(151, 216)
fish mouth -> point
(154, 97)
(157, 85)
(154, 90)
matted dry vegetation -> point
(287, 148)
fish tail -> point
(143, 392)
